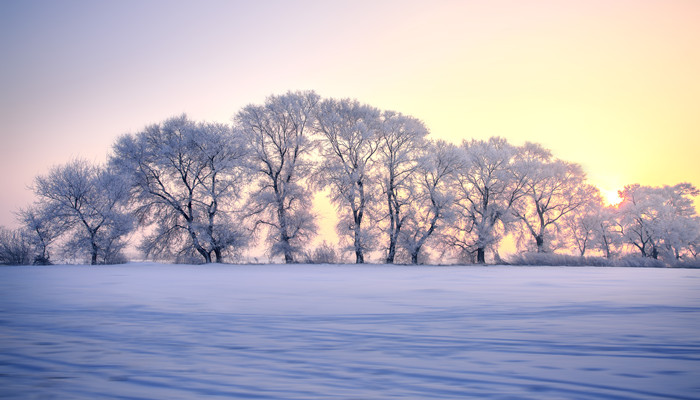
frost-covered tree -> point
(43, 227)
(430, 197)
(402, 142)
(15, 247)
(553, 188)
(185, 179)
(639, 218)
(659, 220)
(351, 140)
(89, 201)
(281, 143)
(592, 226)
(486, 191)
(606, 231)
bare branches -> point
(183, 174)
(280, 143)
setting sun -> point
(611, 197)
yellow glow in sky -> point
(612, 85)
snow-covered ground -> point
(147, 331)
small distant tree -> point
(89, 200)
(606, 232)
(553, 188)
(659, 220)
(43, 228)
(351, 133)
(590, 226)
(185, 180)
(15, 247)
(280, 142)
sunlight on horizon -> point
(612, 86)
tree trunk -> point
(540, 243)
(93, 253)
(205, 254)
(392, 251)
(414, 256)
(217, 252)
(606, 247)
(480, 255)
(359, 253)
(284, 237)
(359, 257)
(392, 227)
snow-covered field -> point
(147, 331)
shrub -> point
(323, 254)
(637, 261)
(552, 259)
(15, 247)
(690, 263)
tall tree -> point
(431, 196)
(90, 201)
(351, 140)
(401, 140)
(185, 179)
(553, 188)
(486, 191)
(280, 140)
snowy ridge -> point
(142, 331)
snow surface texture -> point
(142, 331)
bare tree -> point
(351, 133)
(486, 191)
(401, 143)
(279, 135)
(586, 228)
(15, 247)
(185, 180)
(89, 200)
(553, 189)
(431, 196)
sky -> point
(611, 85)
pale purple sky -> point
(612, 85)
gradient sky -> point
(612, 85)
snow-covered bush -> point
(323, 254)
(690, 263)
(638, 261)
(553, 259)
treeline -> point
(204, 192)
